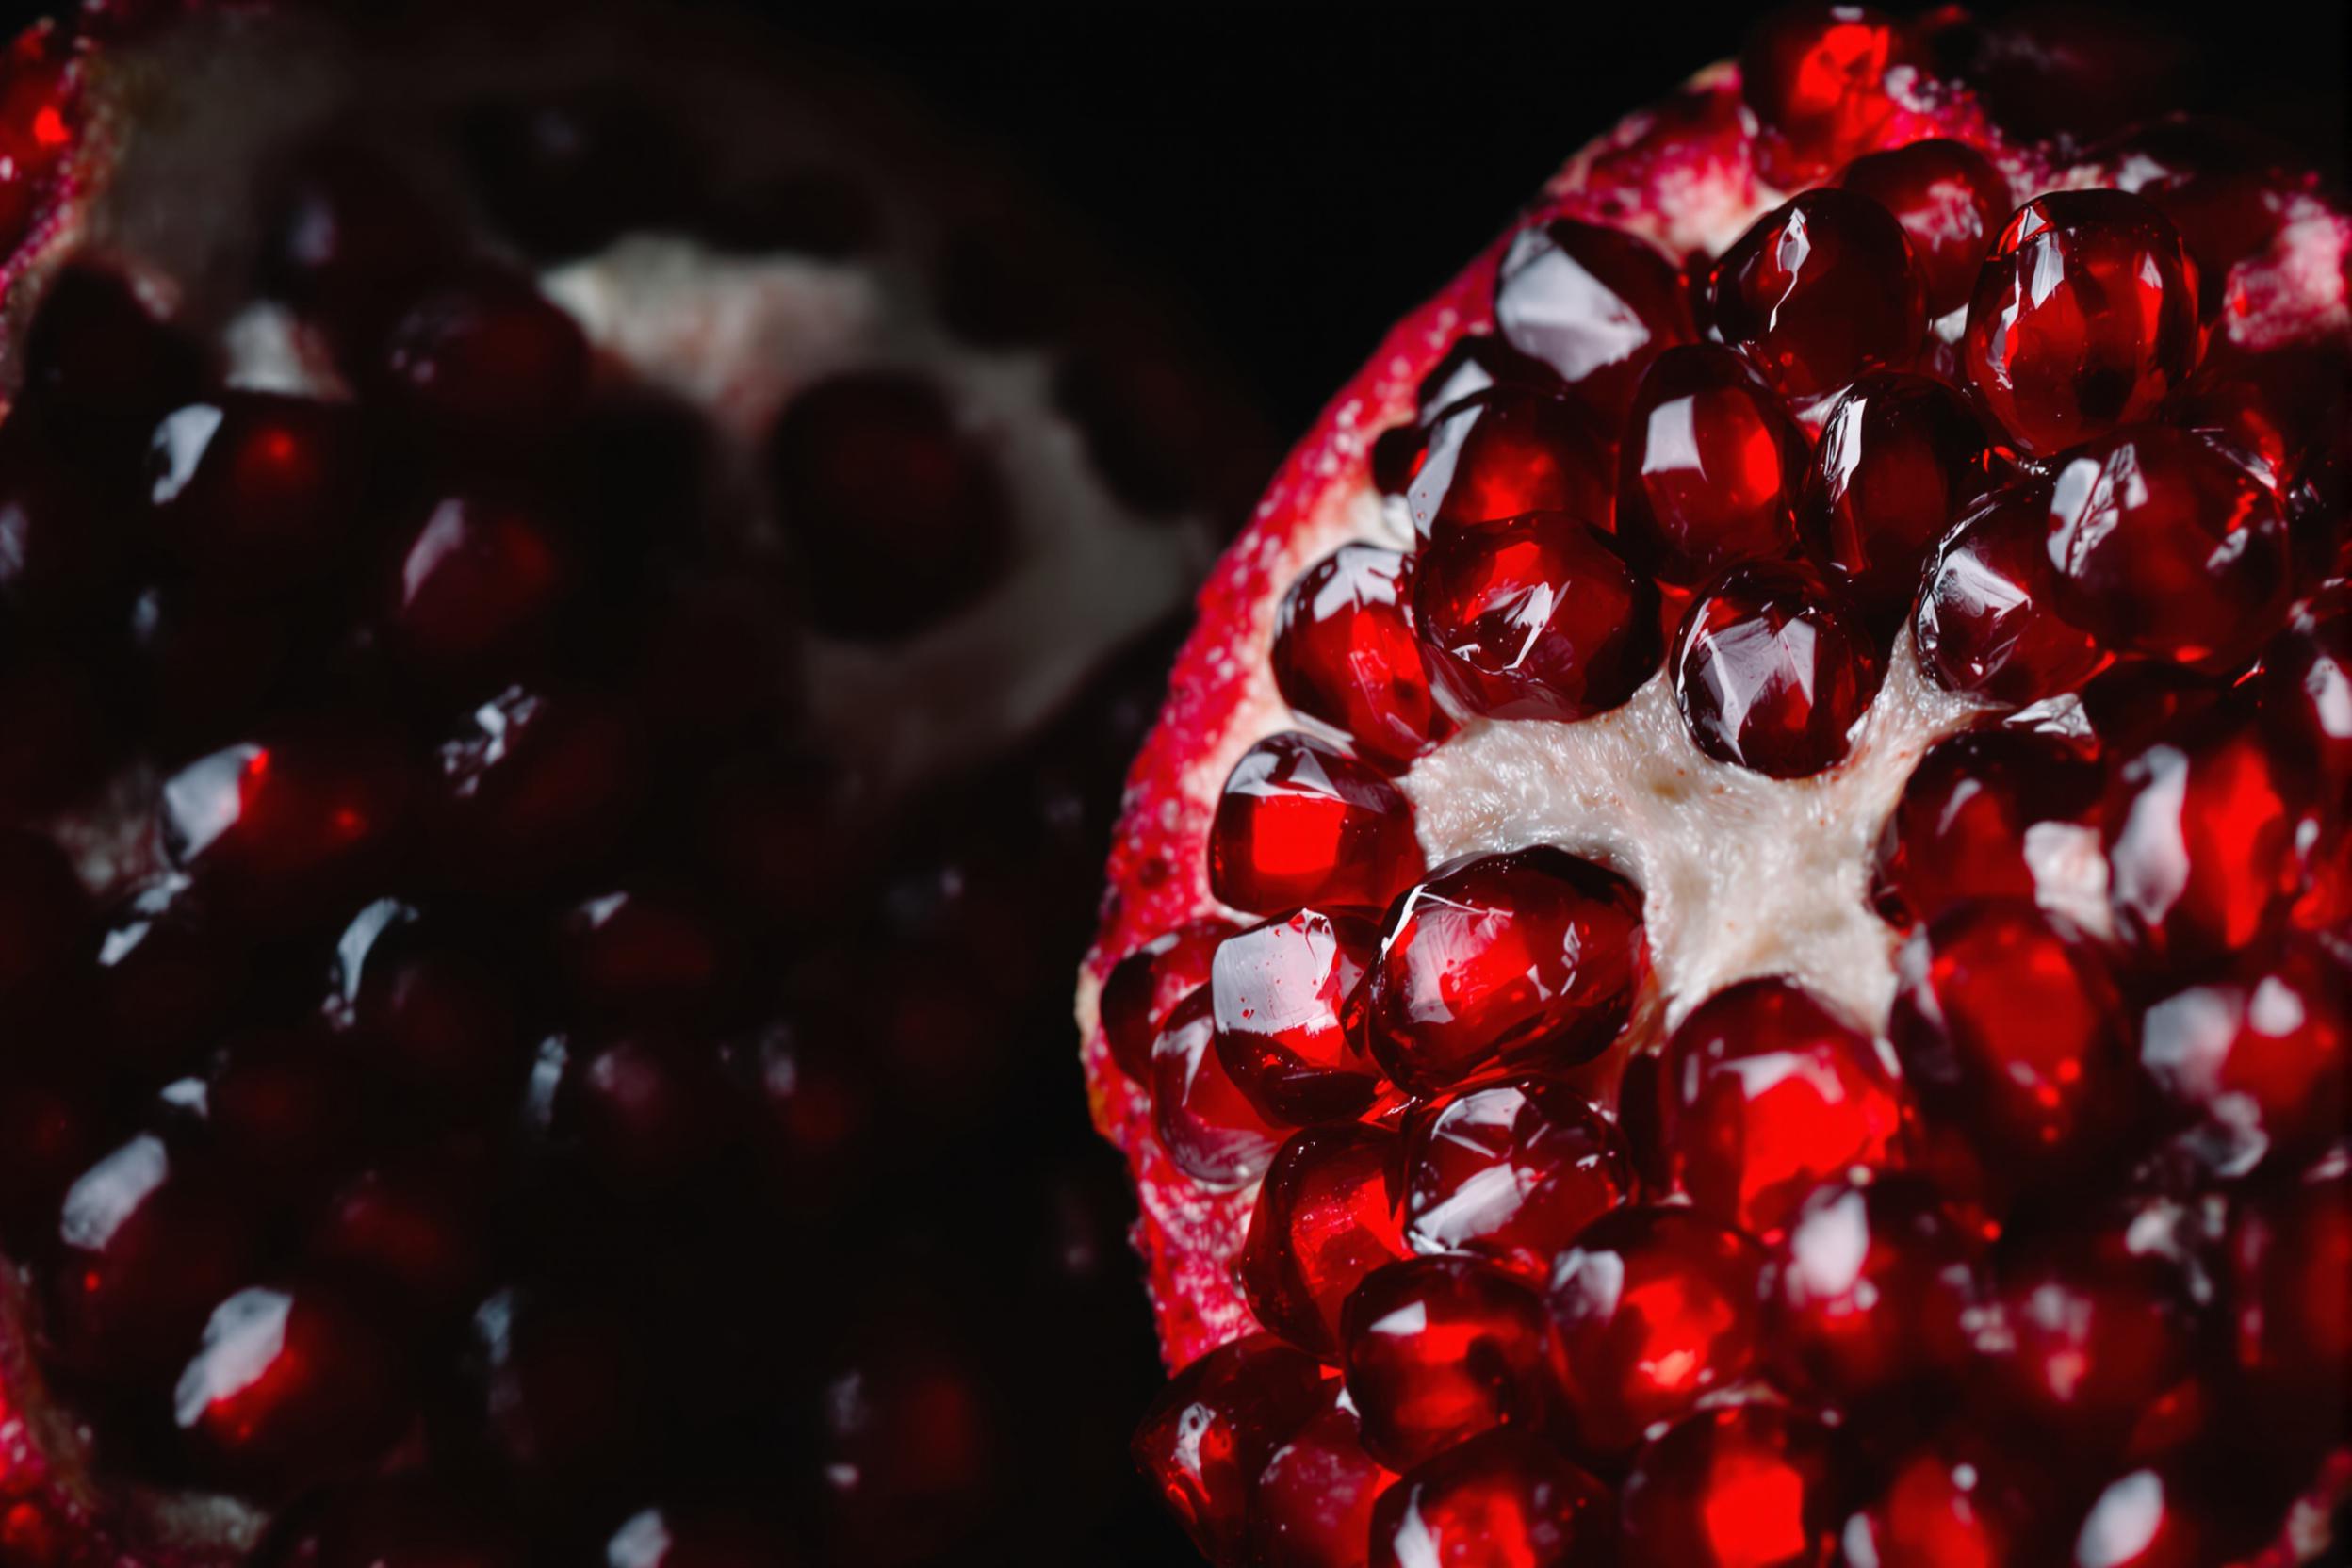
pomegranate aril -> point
(1473, 365)
(1594, 304)
(146, 1247)
(1502, 1500)
(559, 1383)
(2201, 830)
(1654, 1307)
(1503, 453)
(1301, 822)
(1950, 203)
(1512, 1171)
(1209, 1128)
(252, 493)
(2086, 1336)
(536, 784)
(647, 952)
(900, 517)
(2305, 684)
(1773, 669)
(431, 1015)
(1899, 458)
(1819, 290)
(1749, 1485)
(2082, 320)
(283, 1108)
(1144, 987)
(413, 1232)
(2164, 547)
(1980, 816)
(347, 234)
(1280, 992)
(1949, 1504)
(651, 1112)
(1345, 653)
(2259, 1051)
(476, 589)
(1539, 617)
(291, 1385)
(1988, 621)
(2288, 1274)
(1768, 1092)
(1208, 1436)
(1710, 468)
(2011, 1034)
(1441, 1350)
(1871, 1294)
(93, 352)
(1326, 1217)
(38, 116)
(483, 353)
(1312, 1507)
(1814, 77)
(1533, 956)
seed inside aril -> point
(1540, 616)
(1710, 468)
(1593, 303)
(1818, 291)
(1773, 669)
(1533, 955)
(2083, 319)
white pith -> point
(188, 123)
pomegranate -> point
(1847, 1060)
(566, 656)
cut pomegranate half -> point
(1858, 907)
(564, 677)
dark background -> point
(1303, 174)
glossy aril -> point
(1945, 1505)
(650, 1111)
(1749, 1485)
(1326, 1217)
(2289, 1272)
(2011, 1034)
(1312, 1507)
(1211, 1431)
(2164, 547)
(1207, 1125)
(1871, 1293)
(900, 517)
(2084, 1338)
(485, 353)
(2259, 1051)
(1950, 203)
(252, 492)
(561, 1388)
(1983, 814)
(2146, 1518)
(1768, 1092)
(276, 827)
(1594, 304)
(1143, 988)
(2200, 828)
(1814, 77)
(1987, 619)
(1300, 822)
(1345, 653)
(1710, 468)
(1819, 290)
(1654, 1308)
(1511, 1171)
(289, 1384)
(1441, 1350)
(479, 584)
(1773, 669)
(1898, 457)
(1533, 956)
(1475, 363)
(433, 1017)
(535, 784)
(2083, 319)
(1539, 617)
(2305, 690)
(1505, 453)
(1280, 993)
(345, 232)
(1503, 1501)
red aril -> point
(1503, 1499)
(1898, 457)
(1326, 1217)
(1818, 291)
(1711, 469)
(1302, 823)
(1766, 1094)
(1594, 304)
(1212, 1430)
(1750, 1485)
(1987, 622)
(1533, 956)
(1312, 1507)
(1505, 453)
(2259, 1051)
(1511, 1171)
(1345, 652)
(1814, 77)
(1204, 1122)
(1146, 986)
(1773, 669)
(1441, 1350)
(1950, 203)
(1983, 816)
(1279, 992)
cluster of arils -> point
(485, 1080)
(2054, 1265)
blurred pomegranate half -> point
(1732, 946)
(572, 596)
